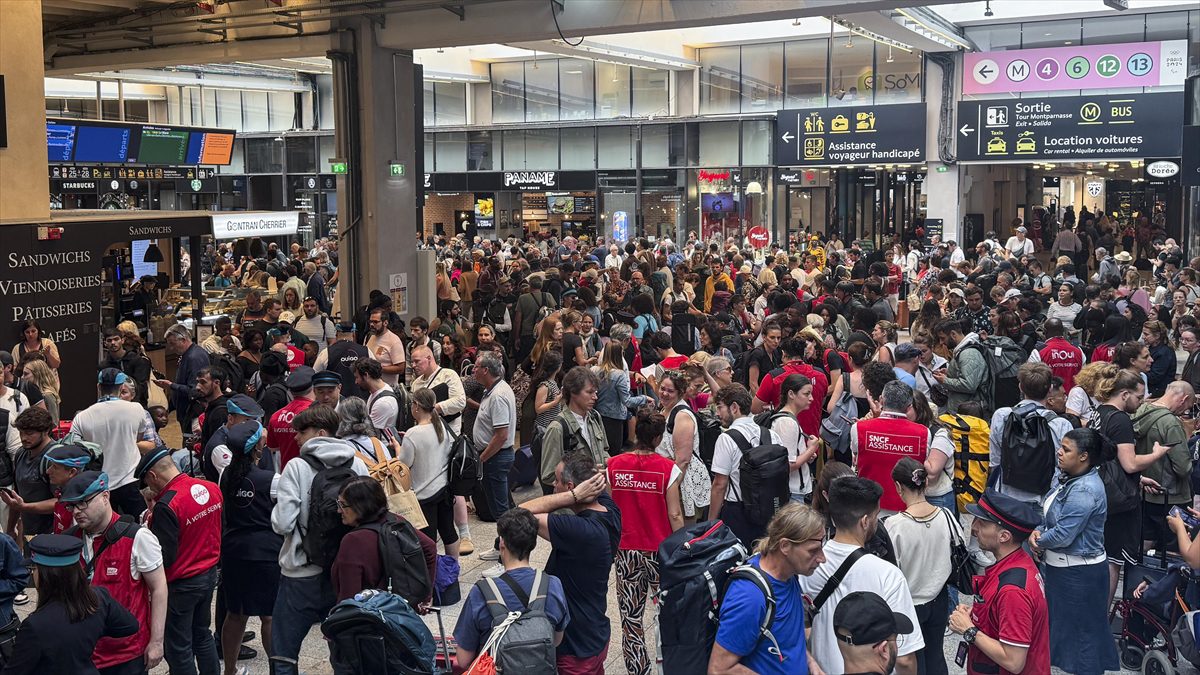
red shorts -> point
(575, 665)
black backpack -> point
(404, 420)
(378, 632)
(708, 426)
(763, 477)
(1027, 459)
(404, 570)
(695, 565)
(1122, 490)
(235, 379)
(465, 470)
(8, 473)
(323, 530)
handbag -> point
(521, 384)
(405, 504)
(962, 565)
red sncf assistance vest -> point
(882, 442)
(639, 486)
(111, 571)
(197, 507)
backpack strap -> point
(836, 579)
(493, 600)
(755, 576)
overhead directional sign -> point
(1131, 64)
(880, 134)
(1109, 126)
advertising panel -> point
(1133, 64)
(1108, 126)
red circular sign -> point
(759, 236)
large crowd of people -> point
(827, 403)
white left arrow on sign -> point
(965, 130)
(787, 137)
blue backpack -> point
(378, 632)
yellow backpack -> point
(971, 456)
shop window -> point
(264, 155)
(541, 90)
(762, 77)
(301, 154)
(651, 92)
(1169, 26)
(720, 89)
(483, 150)
(229, 108)
(612, 91)
(430, 116)
(614, 148)
(450, 151)
(283, 110)
(576, 89)
(578, 148)
(719, 143)
(1051, 34)
(756, 142)
(508, 92)
(451, 101)
(805, 72)
(254, 111)
(898, 75)
(514, 150)
(541, 149)
(429, 158)
(851, 71)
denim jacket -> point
(613, 400)
(1074, 524)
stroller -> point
(1157, 629)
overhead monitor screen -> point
(60, 141)
(210, 148)
(163, 145)
(102, 144)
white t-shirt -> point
(789, 433)
(15, 403)
(1079, 401)
(727, 455)
(319, 329)
(1019, 248)
(383, 409)
(145, 557)
(942, 483)
(388, 350)
(868, 574)
(921, 549)
(115, 426)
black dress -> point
(49, 643)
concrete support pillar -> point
(376, 125)
(943, 196)
(24, 184)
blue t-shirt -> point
(742, 612)
(905, 377)
(584, 546)
(475, 622)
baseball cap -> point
(863, 618)
(346, 327)
(959, 292)
(1022, 229)
(906, 351)
(111, 377)
(273, 364)
(1012, 293)
(745, 269)
(241, 404)
(287, 317)
(83, 486)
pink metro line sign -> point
(1134, 64)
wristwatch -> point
(969, 635)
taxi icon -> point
(1026, 143)
(997, 146)
(839, 124)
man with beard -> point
(134, 365)
(867, 631)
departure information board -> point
(143, 144)
(163, 145)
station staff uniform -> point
(1010, 605)
(878, 443)
(48, 642)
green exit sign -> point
(339, 166)
(942, 169)
(395, 169)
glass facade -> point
(839, 71)
(553, 89)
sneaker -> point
(494, 571)
(21, 599)
(466, 546)
(490, 556)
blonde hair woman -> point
(884, 336)
(1091, 380)
(40, 373)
